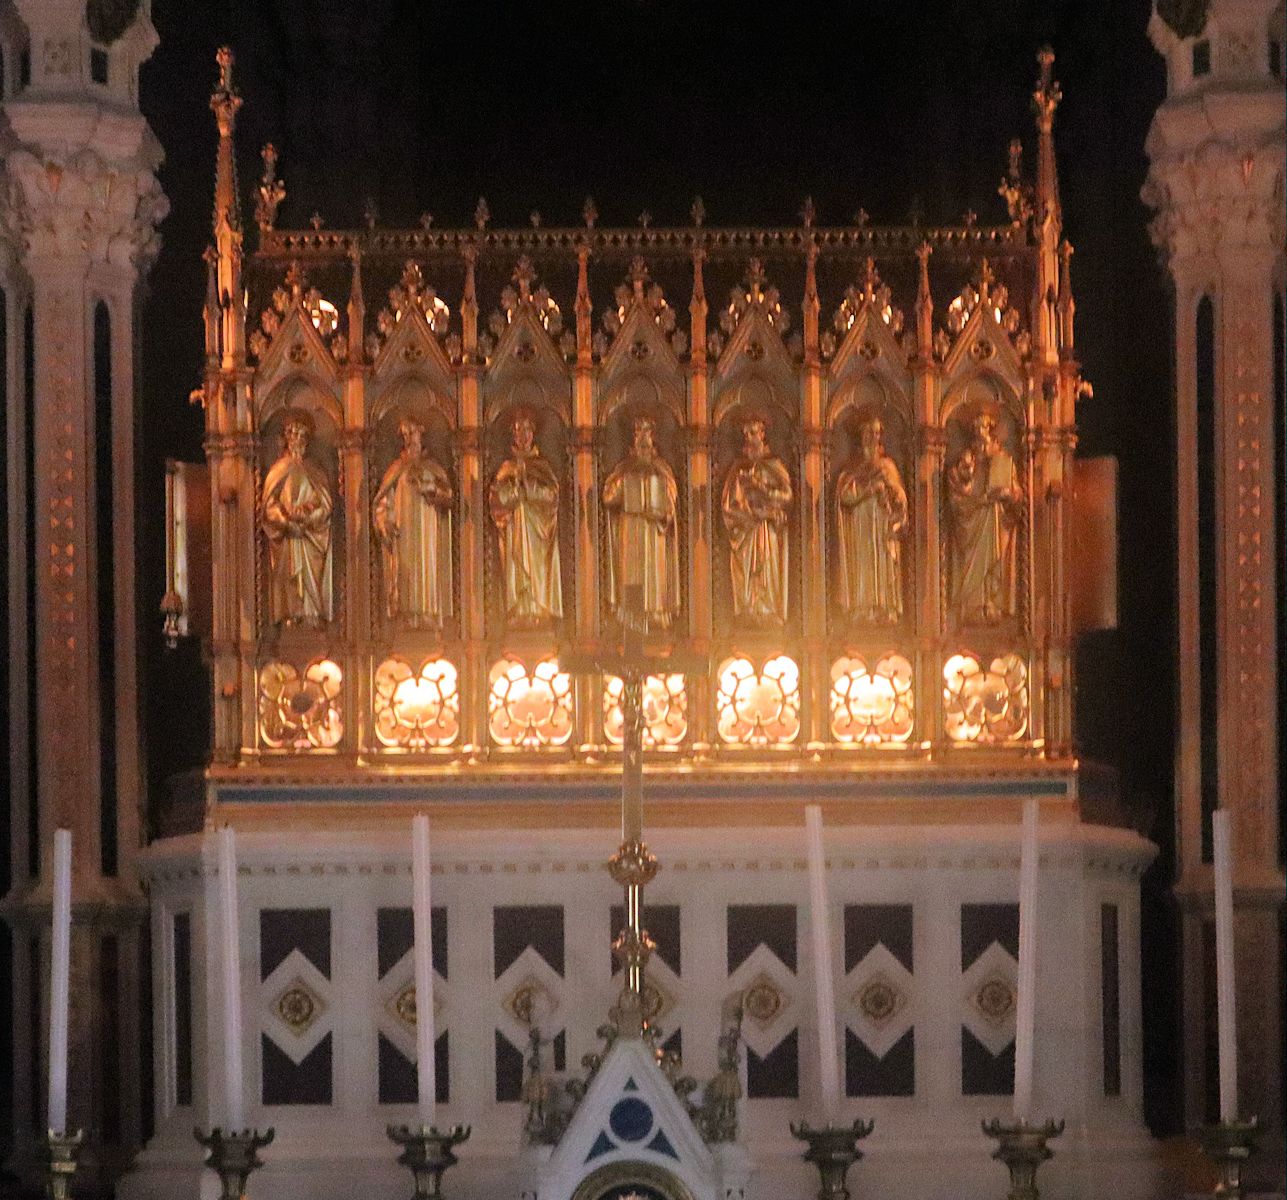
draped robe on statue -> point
(524, 499)
(643, 546)
(984, 500)
(756, 493)
(871, 514)
(413, 520)
(296, 520)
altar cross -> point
(633, 866)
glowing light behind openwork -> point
(665, 709)
(871, 707)
(416, 709)
(300, 712)
(531, 708)
(759, 707)
(985, 706)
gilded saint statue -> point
(641, 499)
(757, 491)
(295, 515)
(871, 519)
(985, 504)
(413, 522)
(524, 502)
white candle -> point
(59, 980)
(824, 990)
(422, 918)
(1226, 1000)
(230, 943)
(1026, 1002)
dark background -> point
(643, 104)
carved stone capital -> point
(102, 207)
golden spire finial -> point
(808, 213)
(1046, 96)
(697, 213)
(870, 279)
(589, 213)
(482, 214)
(638, 274)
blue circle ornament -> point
(630, 1119)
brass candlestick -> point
(1023, 1149)
(1229, 1144)
(833, 1150)
(233, 1156)
(427, 1152)
(62, 1149)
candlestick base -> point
(427, 1153)
(1229, 1144)
(62, 1149)
(233, 1156)
(1023, 1149)
(833, 1149)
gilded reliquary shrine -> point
(835, 463)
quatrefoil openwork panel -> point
(982, 704)
(300, 710)
(529, 707)
(416, 709)
(759, 706)
(871, 706)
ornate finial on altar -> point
(272, 191)
(1047, 94)
(870, 279)
(589, 213)
(224, 102)
(469, 305)
(1012, 189)
(645, 218)
(426, 221)
(524, 274)
(987, 277)
(357, 308)
(812, 342)
(296, 280)
(535, 218)
(808, 213)
(482, 214)
(697, 213)
(316, 220)
(924, 305)
(697, 312)
(584, 310)
(638, 274)
(1066, 306)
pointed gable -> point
(631, 1114)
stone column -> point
(1217, 151)
(81, 213)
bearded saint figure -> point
(412, 520)
(757, 491)
(641, 499)
(985, 504)
(524, 502)
(295, 516)
(871, 519)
